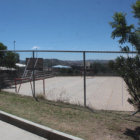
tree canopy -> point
(128, 67)
(7, 58)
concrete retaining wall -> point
(35, 128)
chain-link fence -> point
(85, 78)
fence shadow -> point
(135, 134)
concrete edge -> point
(35, 128)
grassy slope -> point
(78, 121)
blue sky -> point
(61, 24)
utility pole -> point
(14, 44)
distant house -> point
(88, 64)
(7, 69)
(61, 67)
(20, 65)
(12, 69)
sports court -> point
(103, 92)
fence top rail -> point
(69, 51)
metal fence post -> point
(34, 75)
(84, 61)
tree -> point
(2, 54)
(128, 67)
(7, 59)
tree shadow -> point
(135, 134)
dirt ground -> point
(104, 93)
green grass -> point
(75, 120)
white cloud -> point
(35, 47)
